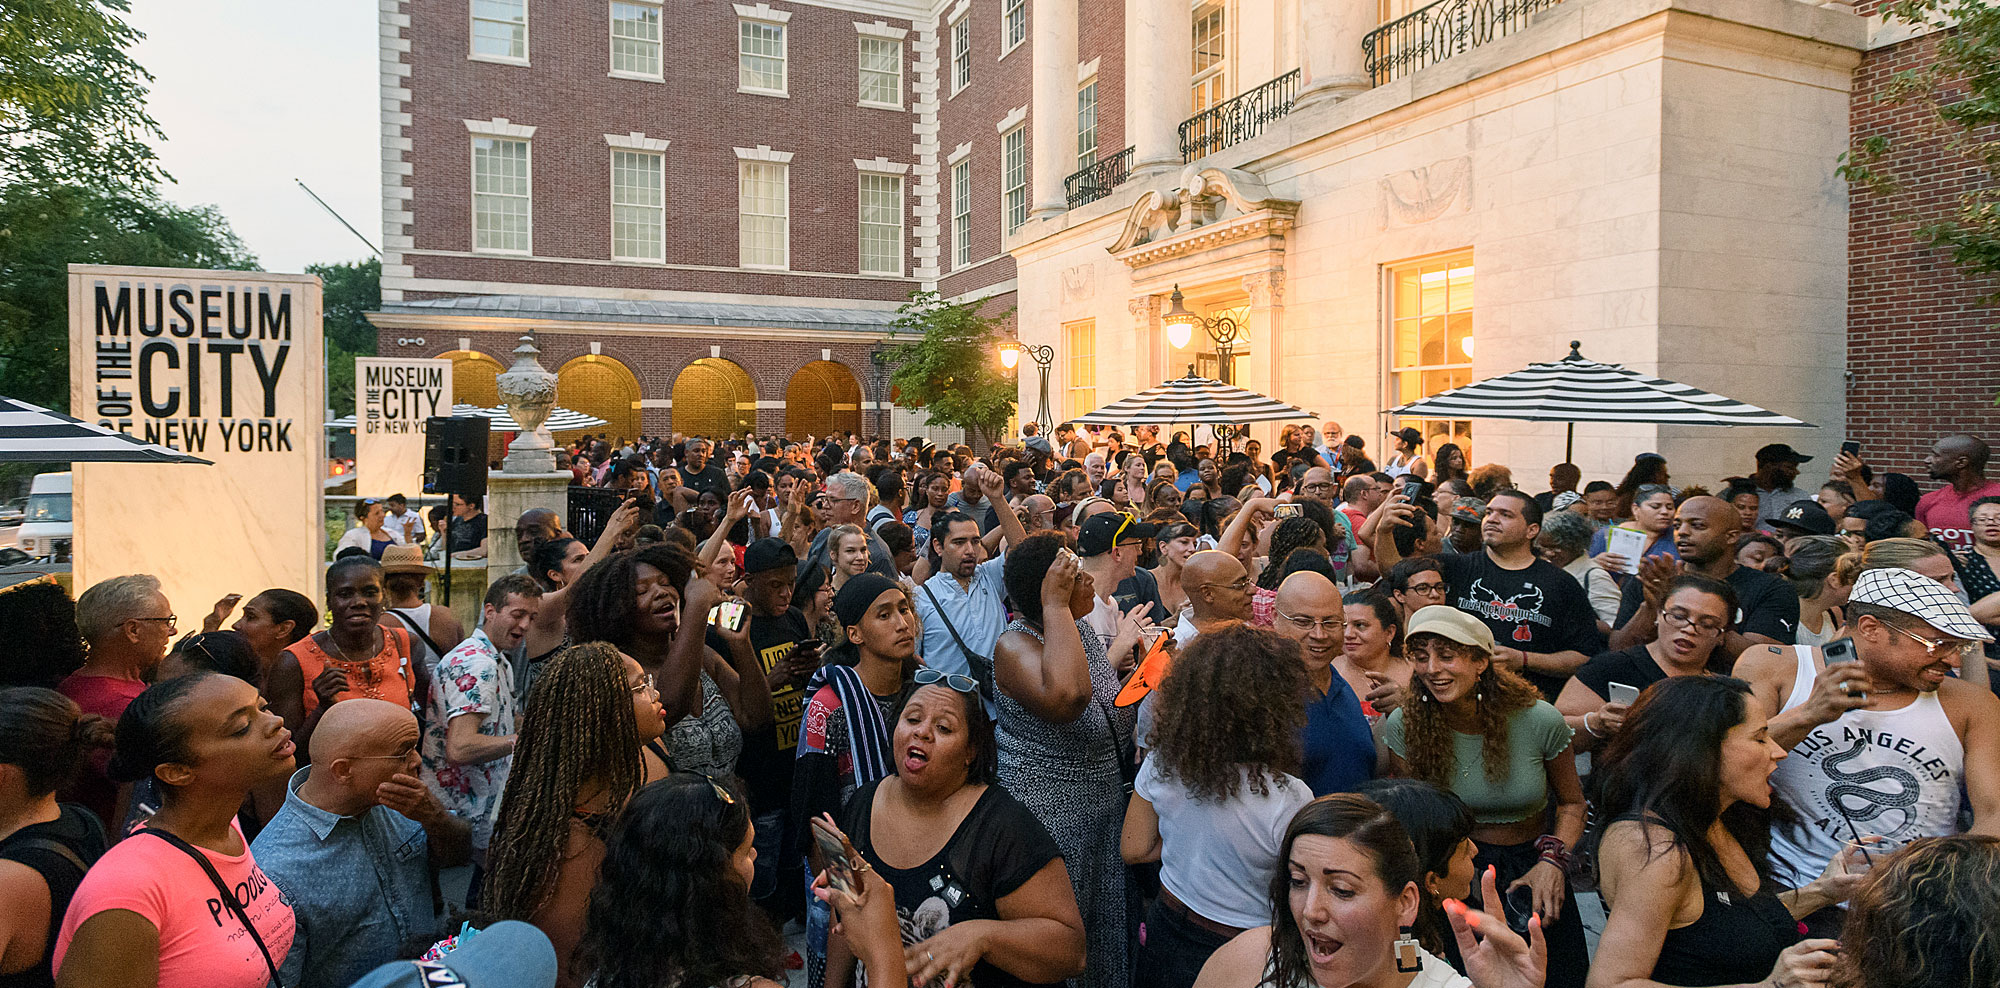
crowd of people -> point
(1102, 708)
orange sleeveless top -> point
(387, 675)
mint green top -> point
(1534, 736)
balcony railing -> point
(1441, 30)
(1096, 180)
(1239, 119)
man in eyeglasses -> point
(1107, 547)
(1882, 738)
(1705, 530)
(1339, 750)
(128, 624)
(1218, 591)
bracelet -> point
(1554, 851)
(1587, 728)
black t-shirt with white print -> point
(1538, 608)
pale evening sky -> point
(255, 93)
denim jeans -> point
(1174, 951)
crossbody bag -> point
(981, 666)
(228, 898)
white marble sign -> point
(392, 398)
(225, 365)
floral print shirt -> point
(474, 678)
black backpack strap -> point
(981, 666)
(411, 623)
(228, 899)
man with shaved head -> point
(1218, 591)
(1705, 530)
(1959, 461)
(356, 845)
(1339, 749)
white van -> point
(45, 532)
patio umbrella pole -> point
(1569, 445)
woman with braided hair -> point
(580, 757)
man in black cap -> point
(1777, 467)
(786, 646)
(1108, 549)
(1801, 518)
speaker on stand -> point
(455, 463)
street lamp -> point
(1224, 331)
(1044, 357)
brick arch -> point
(602, 386)
(822, 397)
(472, 377)
(714, 396)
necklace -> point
(366, 668)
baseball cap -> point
(1779, 453)
(1805, 516)
(1920, 597)
(508, 954)
(1468, 509)
(1103, 532)
(1452, 623)
(1409, 435)
(768, 554)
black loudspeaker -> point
(455, 455)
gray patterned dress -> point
(1068, 776)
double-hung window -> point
(1014, 169)
(502, 196)
(1086, 124)
(1014, 24)
(635, 39)
(500, 30)
(881, 72)
(638, 206)
(764, 214)
(881, 223)
(961, 54)
(760, 57)
(961, 213)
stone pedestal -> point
(507, 496)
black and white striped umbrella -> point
(1576, 389)
(33, 434)
(1194, 399)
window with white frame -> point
(961, 54)
(500, 29)
(1086, 124)
(1014, 20)
(881, 71)
(763, 214)
(635, 39)
(1014, 174)
(881, 223)
(1210, 46)
(638, 206)
(502, 196)
(760, 57)
(961, 212)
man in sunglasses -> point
(1882, 738)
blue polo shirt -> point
(1339, 748)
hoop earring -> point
(1408, 960)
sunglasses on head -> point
(963, 684)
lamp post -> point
(1224, 331)
(1044, 357)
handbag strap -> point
(228, 899)
(983, 667)
(410, 622)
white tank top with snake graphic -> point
(1895, 773)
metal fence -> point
(1449, 27)
(1096, 180)
(590, 510)
(1238, 119)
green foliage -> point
(951, 371)
(72, 102)
(43, 231)
(1960, 92)
(351, 289)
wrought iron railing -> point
(1441, 30)
(1096, 180)
(1238, 119)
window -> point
(638, 206)
(1086, 125)
(1014, 166)
(635, 39)
(961, 212)
(1015, 20)
(961, 54)
(881, 223)
(881, 72)
(1430, 340)
(1080, 343)
(500, 29)
(1210, 49)
(502, 204)
(764, 214)
(760, 57)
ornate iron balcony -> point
(1096, 180)
(1441, 30)
(1238, 119)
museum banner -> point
(392, 398)
(224, 365)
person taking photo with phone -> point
(1883, 738)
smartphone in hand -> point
(834, 847)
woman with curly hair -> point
(1485, 733)
(1214, 795)
(1924, 918)
(672, 903)
(580, 757)
(635, 600)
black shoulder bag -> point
(981, 666)
(228, 899)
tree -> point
(43, 231)
(351, 290)
(72, 102)
(950, 370)
(1959, 92)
